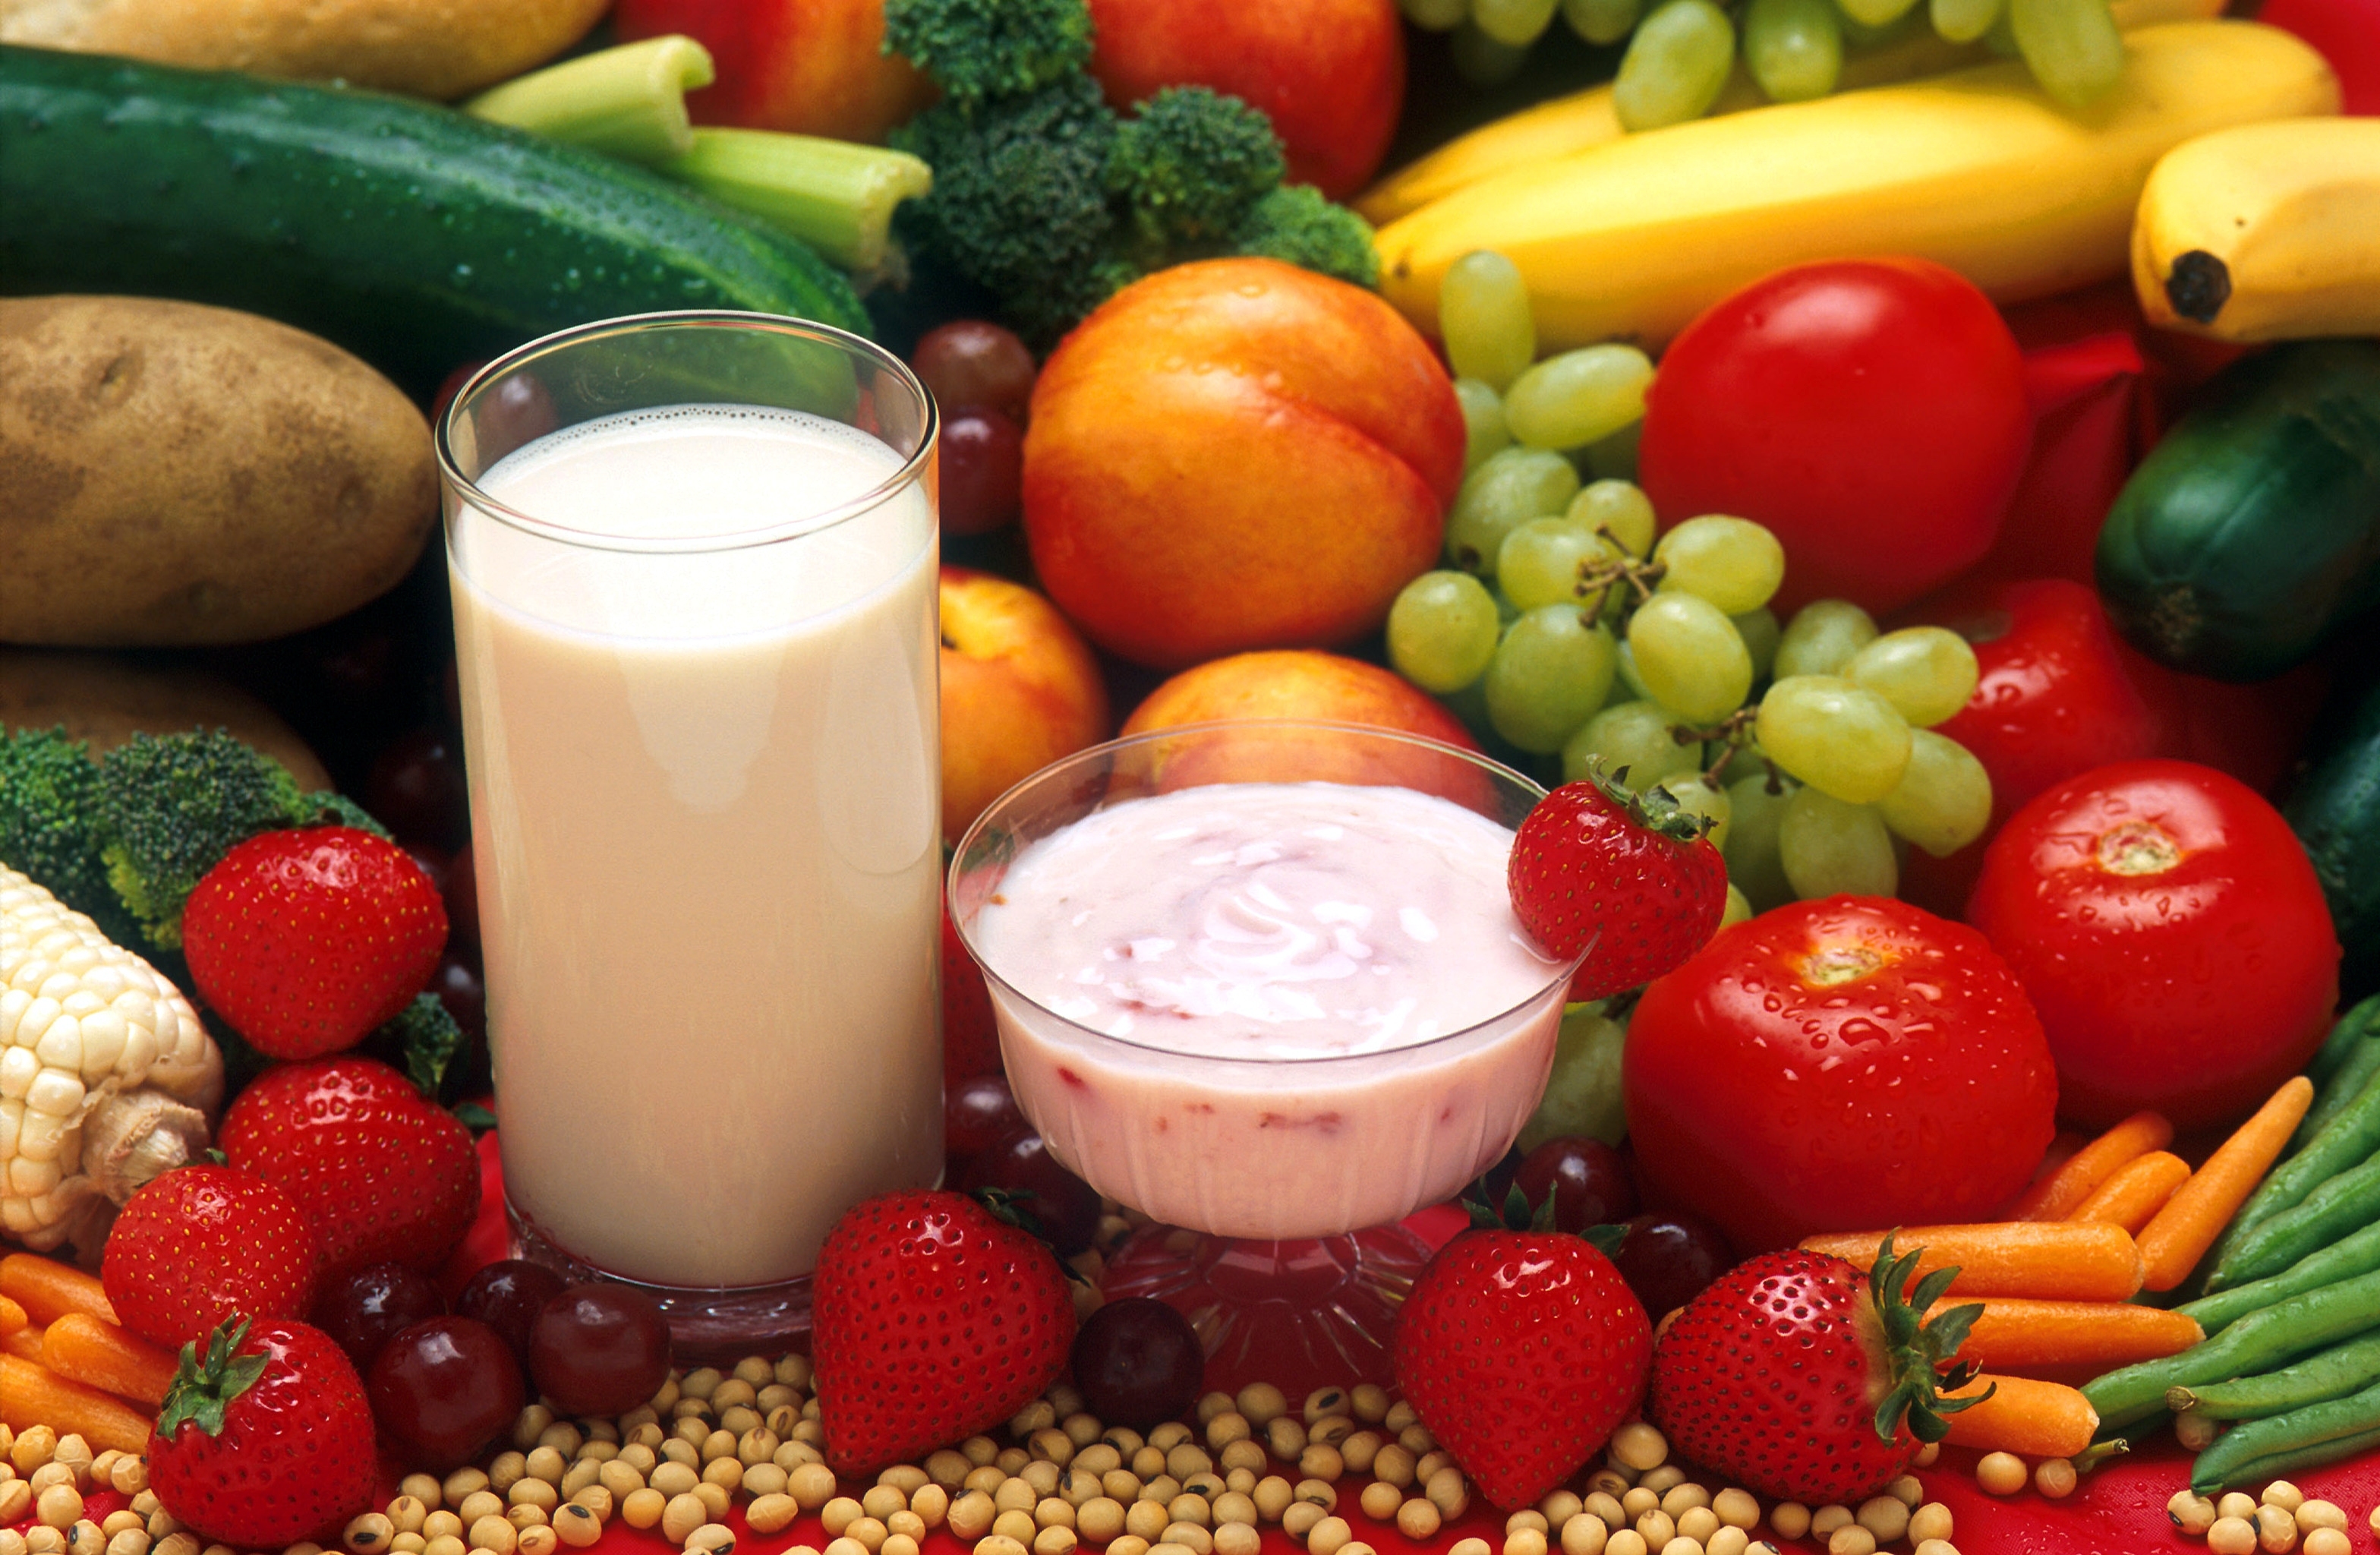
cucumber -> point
(2251, 534)
(415, 237)
(2334, 809)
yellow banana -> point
(1585, 118)
(1976, 170)
(2264, 232)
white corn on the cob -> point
(106, 1077)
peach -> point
(810, 66)
(1237, 454)
(1330, 74)
(1020, 690)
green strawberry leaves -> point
(202, 1390)
(1920, 1356)
(1514, 1214)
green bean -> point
(2328, 1374)
(2352, 1135)
(2254, 1343)
(2320, 1433)
(2350, 1028)
(2343, 1260)
(2351, 1066)
(2342, 1204)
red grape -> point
(417, 789)
(971, 365)
(507, 1295)
(978, 1113)
(459, 987)
(1137, 1362)
(1587, 1178)
(1666, 1259)
(442, 1389)
(1066, 1206)
(361, 1309)
(462, 900)
(983, 471)
(599, 1349)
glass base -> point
(1300, 1315)
(707, 1323)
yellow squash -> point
(1978, 170)
(2264, 232)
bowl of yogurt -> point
(1263, 979)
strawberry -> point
(264, 1440)
(933, 1318)
(1800, 1377)
(384, 1176)
(306, 940)
(1523, 1348)
(1627, 878)
(201, 1245)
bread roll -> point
(106, 700)
(431, 48)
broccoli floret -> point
(423, 1041)
(1189, 166)
(1295, 223)
(170, 806)
(980, 49)
(49, 810)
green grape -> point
(1632, 679)
(1620, 507)
(2072, 46)
(1515, 23)
(1733, 562)
(1828, 846)
(1834, 736)
(1677, 60)
(1794, 48)
(1759, 630)
(1549, 673)
(1873, 14)
(1821, 637)
(1510, 488)
(1696, 796)
(1614, 458)
(1582, 1095)
(1689, 657)
(1484, 432)
(1578, 396)
(1470, 704)
(2000, 38)
(1480, 60)
(1483, 311)
(1753, 816)
(1541, 562)
(1631, 736)
(1601, 21)
(1926, 672)
(1945, 799)
(1442, 631)
(1435, 15)
(1963, 21)
(1738, 909)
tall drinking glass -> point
(693, 559)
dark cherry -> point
(462, 894)
(457, 984)
(361, 1309)
(983, 471)
(1666, 1259)
(1587, 1178)
(1066, 1206)
(978, 1113)
(508, 1296)
(442, 1389)
(1138, 1362)
(972, 365)
(599, 1349)
(417, 789)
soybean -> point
(2342, 1204)
(2253, 1343)
(2343, 1260)
(2279, 1444)
(2329, 1374)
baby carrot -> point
(47, 1289)
(34, 1396)
(2178, 1237)
(2139, 1189)
(2048, 1260)
(2015, 1334)
(2035, 1420)
(82, 1349)
(2057, 1197)
(24, 1342)
(12, 1316)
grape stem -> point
(1596, 579)
(1734, 734)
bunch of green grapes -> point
(1562, 629)
(1681, 52)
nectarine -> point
(1020, 690)
(1237, 454)
(810, 66)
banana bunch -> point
(1979, 170)
(2264, 232)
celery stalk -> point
(836, 195)
(627, 102)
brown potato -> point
(105, 699)
(180, 474)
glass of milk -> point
(1263, 982)
(693, 562)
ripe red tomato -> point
(1837, 1065)
(1871, 412)
(2170, 932)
